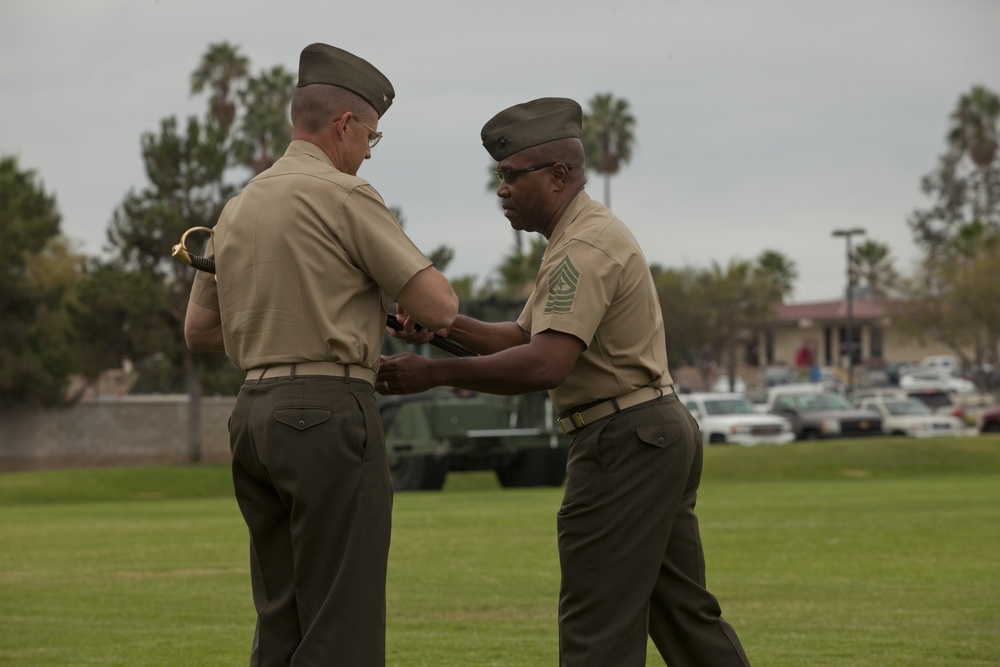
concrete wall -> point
(130, 430)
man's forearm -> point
(487, 337)
(203, 329)
(206, 341)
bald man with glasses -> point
(308, 257)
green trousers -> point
(312, 481)
(629, 547)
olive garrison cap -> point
(322, 63)
(530, 124)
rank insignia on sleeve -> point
(563, 281)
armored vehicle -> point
(431, 433)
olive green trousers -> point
(312, 481)
(630, 550)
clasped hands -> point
(405, 373)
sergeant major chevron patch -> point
(563, 281)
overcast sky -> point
(759, 124)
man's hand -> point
(409, 333)
(405, 373)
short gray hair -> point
(315, 105)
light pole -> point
(847, 234)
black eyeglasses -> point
(373, 137)
(508, 175)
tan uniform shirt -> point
(308, 259)
(595, 284)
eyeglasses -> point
(374, 137)
(508, 175)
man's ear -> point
(339, 124)
(560, 174)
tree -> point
(265, 130)
(519, 268)
(685, 320)
(709, 313)
(973, 129)
(952, 298)
(608, 137)
(966, 185)
(872, 267)
(954, 301)
(122, 316)
(36, 274)
(185, 169)
(193, 169)
(739, 300)
(778, 271)
(221, 69)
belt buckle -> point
(575, 419)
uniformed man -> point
(308, 257)
(592, 334)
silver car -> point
(912, 418)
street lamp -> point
(847, 234)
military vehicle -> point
(432, 433)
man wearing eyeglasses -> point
(308, 257)
(592, 334)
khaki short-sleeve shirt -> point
(308, 259)
(594, 283)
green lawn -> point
(879, 552)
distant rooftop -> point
(829, 311)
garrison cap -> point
(530, 124)
(322, 63)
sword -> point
(207, 265)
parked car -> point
(730, 418)
(828, 377)
(910, 417)
(721, 385)
(898, 370)
(936, 379)
(941, 362)
(991, 420)
(870, 378)
(764, 402)
(940, 401)
(777, 375)
(821, 414)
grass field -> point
(879, 552)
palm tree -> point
(518, 269)
(872, 265)
(220, 69)
(608, 137)
(265, 129)
(973, 129)
(776, 269)
(966, 184)
(738, 299)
